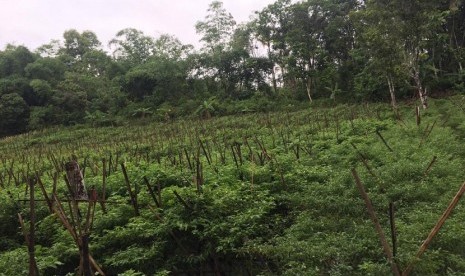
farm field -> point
(252, 194)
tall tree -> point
(217, 28)
(77, 44)
(271, 27)
(132, 46)
(380, 45)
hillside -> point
(260, 193)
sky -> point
(33, 23)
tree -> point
(49, 69)
(14, 59)
(306, 44)
(77, 44)
(217, 28)
(170, 47)
(42, 91)
(406, 28)
(14, 113)
(270, 28)
(132, 46)
(380, 45)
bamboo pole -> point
(379, 230)
(435, 229)
(33, 270)
(132, 195)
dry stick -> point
(188, 159)
(104, 184)
(159, 192)
(44, 192)
(425, 173)
(1, 181)
(435, 229)
(379, 230)
(74, 217)
(199, 176)
(59, 211)
(239, 153)
(205, 152)
(384, 141)
(393, 228)
(128, 185)
(23, 228)
(86, 269)
(75, 214)
(234, 156)
(364, 161)
(262, 147)
(90, 210)
(418, 115)
(33, 270)
(151, 192)
(55, 180)
(183, 202)
(427, 133)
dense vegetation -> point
(264, 189)
(336, 50)
(251, 194)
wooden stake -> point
(384, 141)
(33, 270)
(151, 192)
(393, 228)
(425, 173)
(104, 184)
(435, 230)
(379, 230)
(44, 192)
(131, 194)
(418, 115)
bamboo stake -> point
(425, 173)
(33, 270)
(183, 202)
(104, 184)
(393, 228)
(151, 192)
(384, 141)
(131, 194)
(44, 192)
(435, 230)
(379, 230)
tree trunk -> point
(420, 89)
(308, 86)
(392, 91)
(273, 74)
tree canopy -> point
(306, 50)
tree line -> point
(337, 50)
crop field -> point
(255, 194)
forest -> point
(322, 137)
(343, 51)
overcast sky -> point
(35, 22)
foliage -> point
(257, 193)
